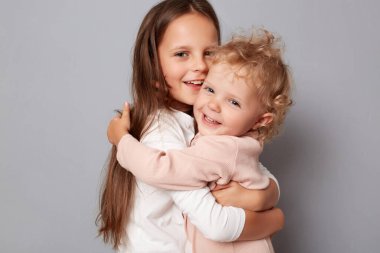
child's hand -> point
(233, 194)
(119, 126)
(227, 195)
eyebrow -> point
(185, 47)
(180, 48)
(230, 94)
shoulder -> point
(248, 143)
(172, 119)
(163, 119)
(166, 131)
(215, 142)
(214, 139)
(229, 142)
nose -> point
(200, 64)
(213, 105)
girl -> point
(170, 64)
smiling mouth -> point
(196, 83)
(210, 121)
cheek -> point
(248, 123)
(174, 73)
(208, 64)
(168, 67)
(199, 101)
(237, 119)
(170, 77)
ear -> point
(263, 120)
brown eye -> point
(209, 53)
(181, 54)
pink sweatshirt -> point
(210, 159)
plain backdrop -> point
(65, 65)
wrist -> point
(120, 135)
(252, 201)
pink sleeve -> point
(248, 170)
(185, 169)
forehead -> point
(234, 78)
(230, 73)
(185, 30)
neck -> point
(182, 107)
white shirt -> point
(156, 224)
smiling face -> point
(227, 104)
(184, 53)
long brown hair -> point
(150, 93)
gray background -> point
(65, 65)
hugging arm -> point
(233, 194)
(226, 223)
(214, 221)
(259, 225)
(183, 169)
(193, 167)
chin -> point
(207, 132)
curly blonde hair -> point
(260, 56)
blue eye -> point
(235, 103)
(181, 54)
(209, 90)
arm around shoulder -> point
(185, 169)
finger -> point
(109, 134)
(220, 187)
(232, 183)
(116, 118)
(119, 112)
(125, 113)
